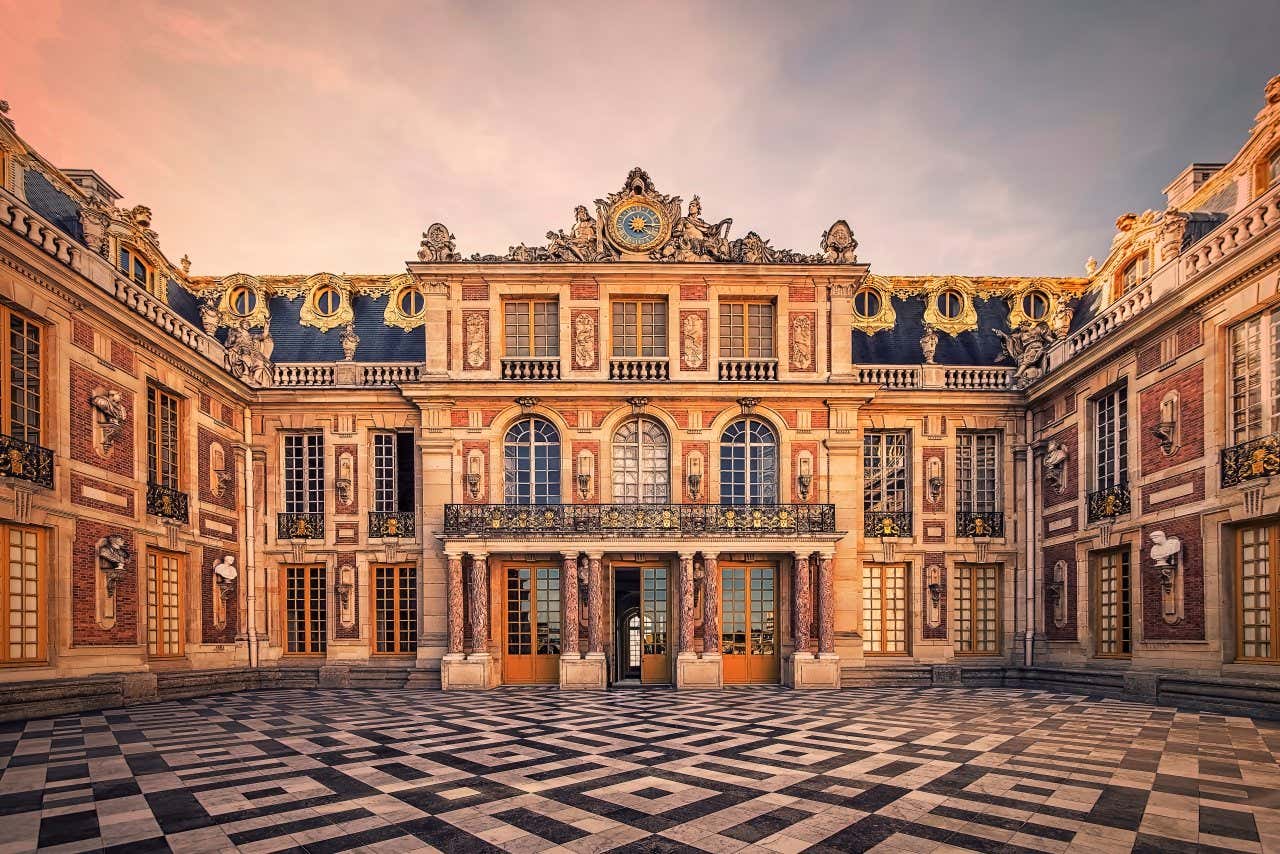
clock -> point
(636, 224)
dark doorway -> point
(627, 636)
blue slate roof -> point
(901, 344)
(378, 342)
(183, 302)
(53, 204)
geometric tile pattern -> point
(531, 770)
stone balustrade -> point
(304, 375)
(344, 374)
(646, 369)
(1116, 315)
(890, 376)
(977, 378)
(531, 370)
(390, 374)
(748, 370)
(1228, 239)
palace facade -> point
(656, 450)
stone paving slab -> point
(540, 770)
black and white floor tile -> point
(538, 770)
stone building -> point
(654, 450)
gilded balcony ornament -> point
(1252, 460)
(1107, 503)
(26, 461)
(887, 523)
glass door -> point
(532, 629)
(749, 625)
(655, 663)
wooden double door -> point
(642, 615)
(531, 639)
(749, 624)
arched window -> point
(133, 265)
(1133, 274)
(749, 463)
(531, 462)
(641, 463)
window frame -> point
(865, 293)
(552, 336)
(638, 443)
(304, 492)
(1141, 265)
(1247, 362)
(1272, 544)
(879, 438)
(553, 492)
(9, 316)
(969, 471)
(974, 608)
(642, 328)
(403, 576)
(310, 574)
(156, 613)
(164, 469)
(1112, 436)
(385, 465)
(411, 292)
(251, 298)
(747, 347)
(875, 638)
(1124, 602)
(37, 543)
(137, 259)
(754, 492)
(947, 299)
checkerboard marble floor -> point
(750, 770)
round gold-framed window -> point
(326, 300)
(411, 301)
(868, 303)
(950, 304)
(1035, 305)
(242, 300)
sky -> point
(965, 137)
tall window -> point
(1133, 274)
(20, 378)
(977, 467)
(306, 609)
(1111, 605)
(393, 472)
(1255, 377)
(395, 609)
(304, 473)
(977, 616)
(641, 463)
(133, 265)
(885, 472)
(746, 330)
(884, 609)
(639, 328)
(164, 603)
(162, 438)
(531, 462)
(1273, 168)
(532, 328)
(24, 611)
(749, 463)
(1111, 439)
(1259, 546)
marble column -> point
(826, 605)
(710, 603)
(454, 617)
(686, 604)
(569, 601)
(595, 606)
(803, 613)
(479, 603)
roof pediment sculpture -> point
(638, 223)
(1028, 348)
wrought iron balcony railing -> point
(524, 520)
(167, 503)
(25, 461)
(975, 523)
(299, 526)
(1108, 502)
(1250, 460)
(393, 523)
(887, 523)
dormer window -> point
(326, 301)
(1133, 274)
(242, 300)
(1273, 168)
(411, 301)
(867, 303)
(133, 265)
(950, 304)
(1035, 305)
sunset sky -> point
(956, 137)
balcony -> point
(167, 503)
(25, 461)
(531, 370)
(299, 526)
(639, 370)
(1252, 460)
(986, 523)
(1108, 503)
(887, 523)
(748, 370)
(525, 520)
(393, 523)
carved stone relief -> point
(693, 340)
(1166, 555)
(113, 556)
(1055, 466)
(584, 340)
(475, 340)
(224, 582)
(108, 405)
(802, 350)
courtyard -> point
(752, 770)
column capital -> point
(479, 555)
(711, 556)
(453, 554)
(568, 555)
(685, 555)
(595, 555)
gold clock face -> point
(637, 225)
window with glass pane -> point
(24, 612)
(531, 462)
(1111, 439)
(884, 609)
(1273, 168)
(1255, 377)
(164, 603)
(532, 328)
(885, 472)
(641, 463)
(306, 624)
(304, 473)
(639, 328)
(749, 463)
(133, 266)
(21, 378)
(977, 609)
(393, 472)
(977, 464)
(395, 609)
(1135, 272)
(1112, 606)
(746, 330)
(1257, 602)
(162, 438)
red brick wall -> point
(82, 335)
(478, 291)
(803, 293)
(584, 290)
(1189, 384)
(85, 630)
(209, 633)
(708, 466)
(204, 440)
(939, 506)
(1053, 554)
(1070, 474)
(1072, 513)
(339, 630)
(122, 356)
(83, 425)
(79, 481)
(227, 521)
(1188, 336)
(693, 292)
(1195, 478)
(1191, 626)
(929, 632)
